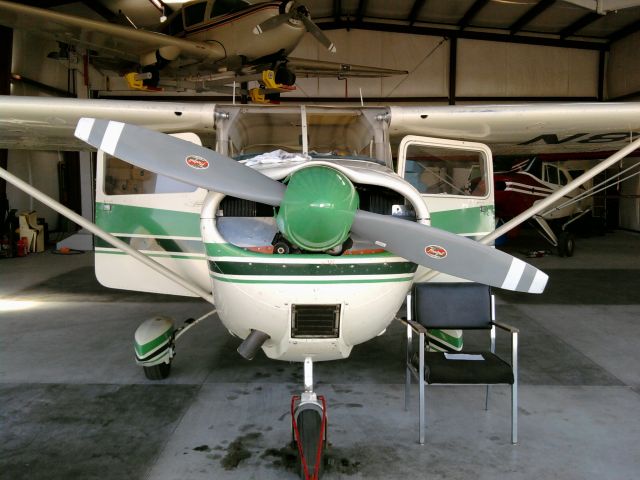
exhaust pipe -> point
(250, 346)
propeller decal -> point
(199, 163)
(435, 251)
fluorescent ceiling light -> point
(16, 305)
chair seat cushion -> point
(491, 369)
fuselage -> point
(311, 304)
(515, 192)
(234, 29)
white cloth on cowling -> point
(275, 157)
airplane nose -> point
(318, 208)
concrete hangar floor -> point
(74, 404)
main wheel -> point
(309, 428)
(157, 372)
(566, 244)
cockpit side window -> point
(194, 14)
(174, 26)
(434, 170)
(122, 178)
(223, 7)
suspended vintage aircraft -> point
(292, 224)
(205, 45)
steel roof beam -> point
(530, 14)
(337, 10)
(415, 10)
(466, 34)
(471, 13)
(362, 7)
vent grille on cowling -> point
(315, 321)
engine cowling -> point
(318, 209)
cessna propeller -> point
(294, 11)
(318, 208)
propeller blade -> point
(271, 23)
(449, 253)
(179, 159)
(314, 30)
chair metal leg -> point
(407, 388)
(514, 388)
(514, 413)
(407, 384)
(421, 383)
(486, 399)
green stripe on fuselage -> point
(465, 220)
(116, 218)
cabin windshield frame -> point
(321, 132)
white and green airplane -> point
(305, 226)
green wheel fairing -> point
(318, 208)
(143, 350)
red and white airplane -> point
(529, 182)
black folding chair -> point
(457, 306)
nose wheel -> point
(309, 427)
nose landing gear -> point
(309, 427)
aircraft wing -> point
(47, 123)
(527, 128)
(317, 68)
(116, 41)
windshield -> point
(330, 133)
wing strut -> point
(107, 237)
(547, 202)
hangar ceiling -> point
(547, 22)
(582, 69)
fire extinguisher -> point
(23, 247)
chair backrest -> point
(452, 305)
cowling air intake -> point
(318, 208)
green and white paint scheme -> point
(256, 289)
(212, 251)
(153, 343)
(459, 212)
(164, 226)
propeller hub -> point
(318, 208)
